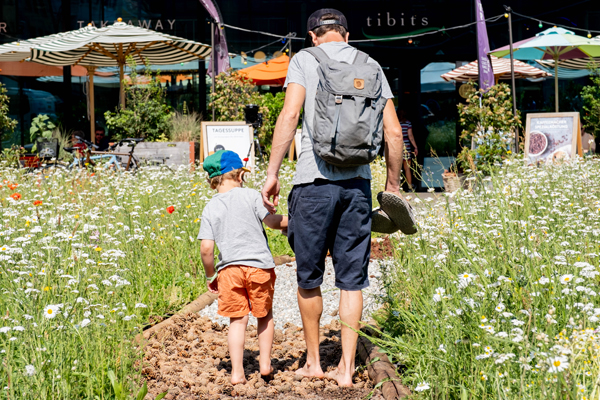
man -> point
(329, 207)
(101, 141)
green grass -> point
(496, 297)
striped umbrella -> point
(501, 67)
(552, 44)
(21, 50)
(111, 45)
(574, 63)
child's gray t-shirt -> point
(234, 221)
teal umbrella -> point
(552, 44)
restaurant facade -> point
(412, 65)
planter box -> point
(168, 153)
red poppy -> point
(246, 159)
(16, 196)
(37, 203)
(13, 186)
(92, 174)
(170, 209)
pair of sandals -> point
(394, 214)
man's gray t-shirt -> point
(303, 71)
(234, 221)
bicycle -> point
(91, 156)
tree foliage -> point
(7, 124)
(591, 102)
(147, 115)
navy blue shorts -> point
(335, 216)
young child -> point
(233, 220)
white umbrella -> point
(111, 45)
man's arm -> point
(394, 148)
(285, 129)
(207, 251)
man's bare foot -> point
(341, 379)
(310, 371)
(237, 379)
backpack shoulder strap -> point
(361, 57)
(317, 53)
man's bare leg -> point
(311, 308)
(351, 305)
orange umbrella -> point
(18, 68)
(272, 72)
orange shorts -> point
(243, 289)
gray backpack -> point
(348, 120)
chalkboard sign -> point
(552, 137)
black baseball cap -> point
(314, 21)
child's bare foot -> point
(269, 373)
(310, 371)
(341, 379)
(237, 379)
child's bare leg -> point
(266, 330)
(236, 340)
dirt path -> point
(190, 360)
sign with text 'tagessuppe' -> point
(234, 136)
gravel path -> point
(285, 303)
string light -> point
(540, 25)
(506, 15)
(589, 35)
(410, 41)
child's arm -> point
(207, 250)
(276, 221)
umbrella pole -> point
(556, 82)
(213, 62)
(121, 88)
(512, 75)
(91, 70)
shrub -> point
(7, 124)
(489, 124)
(591, 102)
(147, 115)
(185, 127)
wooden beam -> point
(91, 70)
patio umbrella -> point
(552, 44)
(574, 63)
(111, 45)
(21, 49)
(272, 72)
(501, 67)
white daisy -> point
(558, 364)
(422, 386)
(51, 311)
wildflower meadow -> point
(86, 261)
(496, 297)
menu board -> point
(234, 136)
(551, 137)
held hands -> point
(271, 189)
(213, 287)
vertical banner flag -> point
(220, 51)
(486, 73)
